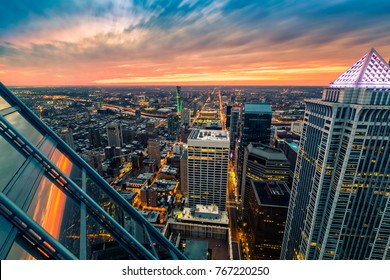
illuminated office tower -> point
(208, 156)
(339, 206)
(179, 101)
(255, 127)
(268, 206)
(53, 205)
(114, 134)
(261, 163)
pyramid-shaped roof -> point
(369, 71)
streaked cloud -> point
(107, 41)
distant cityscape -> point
(217, 173)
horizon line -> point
(161, 85)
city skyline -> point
(186, 42)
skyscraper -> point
(186, 116)
(228, 115)
(235, 116)
(255, 127)
(184, 172)
(154, 151)
(261, 163)
(179, 101)
(114, 134)
(208, 156)
(52, 202)
(94, 138)
(173, 125)
(340, 206)
(268, 205)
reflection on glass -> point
(54, 211)
(18, 253)
(47, 146)
(57, 214)
(24, 127)
(3, 104)
(65, 165)
(10, 162)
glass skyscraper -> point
(255, 127)
(55, 206)
(339, 207)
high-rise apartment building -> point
(340, 207)
(114, 134)
(52, 202)
(208, 157)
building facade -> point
(261, 163)
(208, 157)
(114, 134)
(94, 138)
(268, 205)
(255, 127)
(186, 116)
(154, 151)
(173, 125)
(66, 134)
(228, 115)
(234, 125)
(340, 205)
(179, 101)
(184, 172)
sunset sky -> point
(187, 42)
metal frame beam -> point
(113, 194)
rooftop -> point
(206, 214)
(257, 108)
(293, 145)
(371, 70)
(271, 193)
(266, 152)
(211, 135)
(212, 209)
